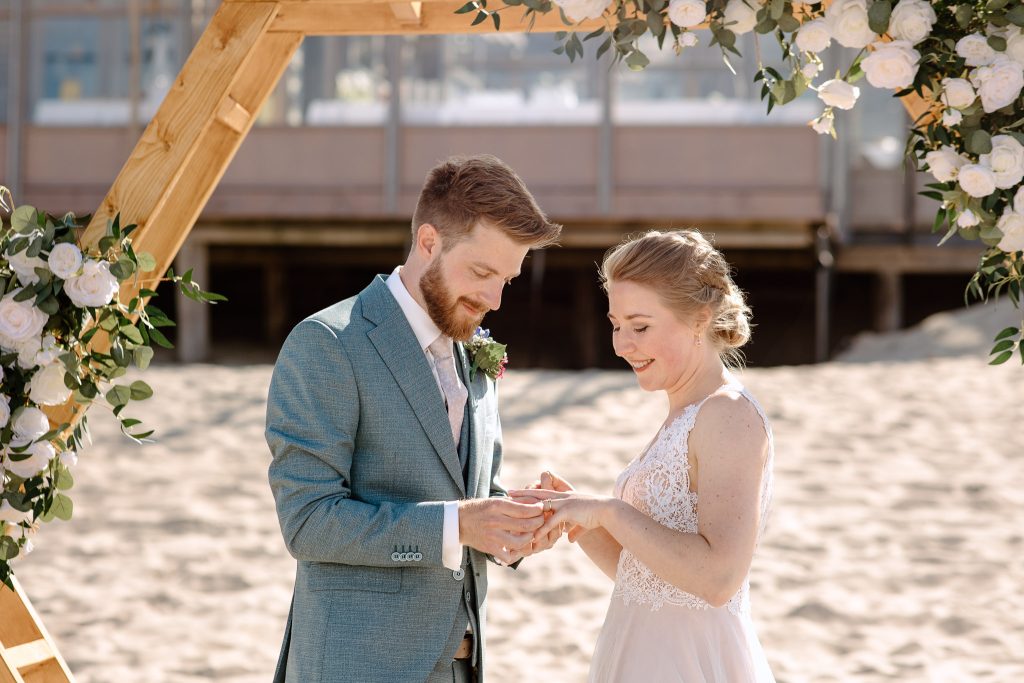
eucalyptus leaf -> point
(878, 16)
(62, 507)
(146, 260)
(119, 395)
(143, 356)
(140, 391)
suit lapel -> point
(476, 389)
(396, 343)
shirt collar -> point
(422, 325)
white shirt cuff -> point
(451, 548)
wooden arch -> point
(184, 152)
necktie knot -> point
(441, 348)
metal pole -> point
(606, 140)
(17, 98)
(135, 70)
(393, 59)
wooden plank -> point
(29, 654)
(344, 18)
(149, 178)
(408, 13)
(894, 258)
(167, 229)
(8, 672)
(21, 625)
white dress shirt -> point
(426, 332)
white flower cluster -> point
(35, 354)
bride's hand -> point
(580, 511)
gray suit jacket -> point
(363, 457)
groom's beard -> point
(446, 311)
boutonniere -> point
(486, 354)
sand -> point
(894, 551)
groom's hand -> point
(499, 527)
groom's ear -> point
(428, 240)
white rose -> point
(96, 286)
(740, 17)
(1006, 161)
(958, 93)
(5, 410)
(580, 10)
(40, 455)
(1011, 224)
(945, 163)
(1000, 83)
(848, 23)
(30, 423)
(69, 459)
(968, 219)
(19, 320)
(25, 267)
(952, 117)
(9, 515)
(813, 36)
(824, 124)
(838, 93)
(892, 65)
(977, 180)
(911, 20)
(810, 70)
(688, 39)
(47, 386)
(65, 260)
(687, 13)
(49, 352)
(975, 49)
(1018, 205)
(28, 350)
(1015, 46)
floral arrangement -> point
(65, 338)
(957, 64)
(486, 354)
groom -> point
(386, 448)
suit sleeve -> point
(312, 422)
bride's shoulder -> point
(730, 420)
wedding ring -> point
(547, 505)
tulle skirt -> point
(677, 644)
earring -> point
(698, 339)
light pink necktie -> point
(454, 393)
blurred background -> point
(829, 237)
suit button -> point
(417, 557)
(406, 557)
(396, 557)
(458, 574)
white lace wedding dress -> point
(655, 632)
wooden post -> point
(888, 301)
(27, 652)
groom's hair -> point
(462, 191)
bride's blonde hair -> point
(689, 274)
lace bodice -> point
(657, 483)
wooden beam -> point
(377, 18)
(880, 258)
(29, 654)
(408, 13)
(162, 157)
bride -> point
(680, 532)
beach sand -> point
(895, 550)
